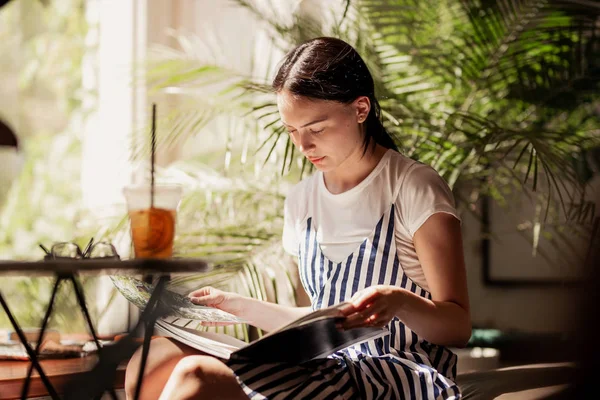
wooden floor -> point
(60, 372)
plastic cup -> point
(152, 224)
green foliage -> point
(234, 221)
(499, 97)
(44, 48)
(465, 86)
(28, 299)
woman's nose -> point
(305, 143)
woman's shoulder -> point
(402, 166)
(299, 192)
(304, 186)
(411, 175)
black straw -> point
(152, 155)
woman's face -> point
(326, 132)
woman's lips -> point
(315, 159)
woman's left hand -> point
(374, 306)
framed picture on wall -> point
(510, 257)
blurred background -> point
(501, 97)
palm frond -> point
(503, 93)
(235, 224)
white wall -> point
(218, 31)
(532, 309)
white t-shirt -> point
(343, 221)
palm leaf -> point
(473, 88)
(235, 226)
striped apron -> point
(398, 366)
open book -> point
(139, 292)
(314, 335)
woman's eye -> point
(317, 131)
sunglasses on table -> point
(70, 250)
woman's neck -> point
(353, 170)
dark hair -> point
(330, 69)
(7, 136)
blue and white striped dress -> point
(398, 366)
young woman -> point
(371, 227)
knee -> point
(162, 358)
(202, 377)
(195, 367)
(131, 374)
(188, 379)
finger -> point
(381, 318)
(360, 294)
(356, 319)
(348, 309)
(368, 310)
(365, 299)
(380, 309)
(367, 317)
(208, 300)
(375, 320)
(380, 322)
(201, 292)
(368, 322)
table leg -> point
(94, 382)
(148, 317)
(30, 352)
(81, 299)
(25, 390)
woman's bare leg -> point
(163, 356)
(202, 377)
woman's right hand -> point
(227, 301)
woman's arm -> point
(444, 320)
(270, 316)
(262, 314)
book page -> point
(216, 344)
(139, 292)
(323, 313)
(329, 312)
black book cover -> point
(297, 344)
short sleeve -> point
(424, 193)
(290, 234)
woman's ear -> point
(362, 106)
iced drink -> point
(153, 225)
